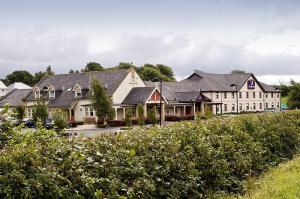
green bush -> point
(186, 160)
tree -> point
(71, 71)
(39, 75)
(92, 66)
(152, 116)
(140, 110)
(20, 76)
(101, 103)
(40, 112)
(285, 89)
(124, 65)
(20, 112)
(294, 95)
(49, 71)
(60, 121)
(148, 72)
(166, 71)
(237, 71)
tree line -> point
(147, 72)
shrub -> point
(60, 121)
(185, 160)
(128, 115)
(152, 117)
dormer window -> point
(51, 93)
(78, 91)
(37, 94)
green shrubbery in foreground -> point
(186, 160)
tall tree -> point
(40, 112)
(294, 95)
(92, 66)
(125, 65)
(166, 70)
(49, 71)
(101, 103)
(20, 76)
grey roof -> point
(222, 82)
(64, 83)
(269, 88)
(138, 95)
(14, 98)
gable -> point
(251, 84)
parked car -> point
(28, 122)
(49, 124)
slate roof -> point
(222, 82)
(64, 83)
(138, 95)
(14, 98)
(269, 88)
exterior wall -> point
(131, 80)
(3, 91)
(253, 103)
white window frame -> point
(51, 93)
(37, 94)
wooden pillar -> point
(194, 109)
(202, 108)
(116, 113)
(145, 110)
(163, 112)
(184, 113)
(124, 113)
(174, 110)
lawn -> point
(280, 182)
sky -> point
(258, 36)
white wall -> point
(131, 80)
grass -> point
(282, 182)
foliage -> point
(148, 72)
(237, 71)
(101, 102)
(39, 75)
(186, 160)
(92, 66)
(152, 116)
(294, 95)
(40, 111)
(128, 115)
(284, 88)
(60, 121)
(20, 112)
(20, 76)
(140, 110)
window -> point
(89, 112)
(37, 94)
(272, 105)
(260, 95)
(254, 106)
(240, 106)
(225, 107)
(247, 107)
(266, 95)
(232, 94)
(253, 94)
(29, 112)
(232, 107)
(277, 104)
(217, 95)
(240, 95)
(272, 95)
(247, 95)
(277, 95)
(260, 106)
(267, 105)
(225, 95)
(3, 90)
(78, 92)
(52, 93)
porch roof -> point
(138, 95)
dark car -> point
(28, 122)
(49, 124)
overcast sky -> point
(257, 36)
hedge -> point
(185, 160)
